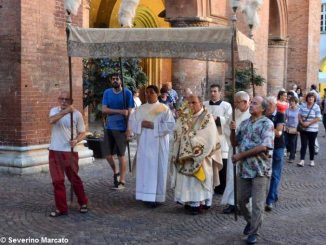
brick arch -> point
(278, 19)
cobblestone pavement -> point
(115, 217)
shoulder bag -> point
(300, 127)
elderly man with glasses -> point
(61, 159)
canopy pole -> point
(68, 22)
(252, 79)
(251, 35)
(125, 107)
(233, 44)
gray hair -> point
(243, 95)
(271, 99)
(265, 104)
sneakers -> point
(312, 164)
(120, 186)
(252, 239)
(301, 163)
(116, 179)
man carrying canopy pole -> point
(62, 158)
(117, 103)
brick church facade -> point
(34, 63)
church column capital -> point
(189, 21)
(278, 42)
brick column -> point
(277, 66)
(194, 74)
(33, 69)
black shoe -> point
(116, 178)
(195, 210)
(229, 209)
(246, 229)
(251, 239)
(268, 207)
(150, 204)
(187, 207)
(205, 207)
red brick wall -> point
(39, 33)
(304, 33)
(10, 45)
(298, 40)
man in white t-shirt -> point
(61, 158)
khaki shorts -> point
(117, 142)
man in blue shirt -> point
(118, 108)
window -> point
(323, 18)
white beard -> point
(127, 12)
(72, 6)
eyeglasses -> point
(238, 102)
(64, 99)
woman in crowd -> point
(137, 101)
(291, 123)
(309, 116)
(282, 103)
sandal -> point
(57, 213)
(83, 209)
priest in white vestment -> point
(152, 123)
(222, 113)
(242, 103)
(196, 145)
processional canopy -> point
(200, 43)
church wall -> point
(298, 41)
(10, 70)
(35, 69)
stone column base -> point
(34, 159)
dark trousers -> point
(324, 121)
(60, 163)
(308, 138)
(291, 144)
(255, 188)
(222, 174)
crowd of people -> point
(197, 142)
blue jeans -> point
(277, 166)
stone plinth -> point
(34, 158)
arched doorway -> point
(104, 13)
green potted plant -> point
(244, 80)
(96, 79)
